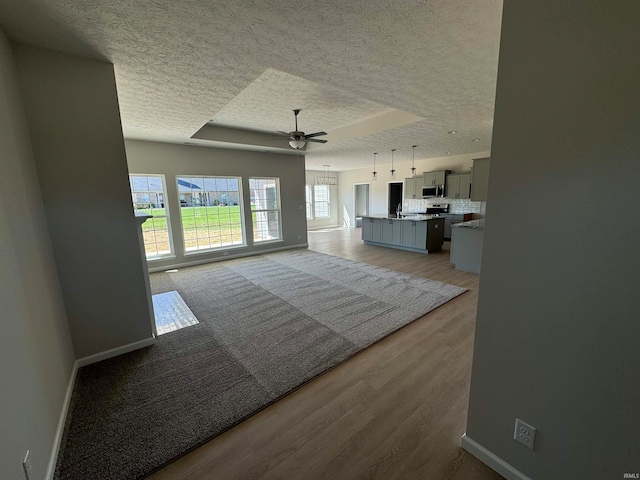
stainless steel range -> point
(437, 209)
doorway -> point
(395, 197)
(361, 201)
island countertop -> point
(478, 224)
(414, 217)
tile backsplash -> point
(456, 205)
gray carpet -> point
(267, 324)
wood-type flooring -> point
(395, 411)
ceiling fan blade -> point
(316, 140)
(280, 132)
(317, 134)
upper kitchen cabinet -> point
(434, 178)
(458, 186)
(413, 188)
(480, 179)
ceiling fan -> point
(297, 138)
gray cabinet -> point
(372, 229)
(420, 234)
(466, 249)
(452, 219)
(480, 179)
(376, 230)
(408, 236)
(396, 235)
(434, 178)
(413, 235)
(448, 221)
(458, 186)
(413, 188)
(391, 232)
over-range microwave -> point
(430, 191)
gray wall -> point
(174, 160)
(558, 318)
(74, 121)
(36, 355)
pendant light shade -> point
(375, 174)
(413, 160)
(393, 172)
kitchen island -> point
(466, 245)
(416, 233)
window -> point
(265, 209)
(317, 201)
(211, 212)
(148, 195)
(321, 201)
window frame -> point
(256, 211)
(308, 201)
(167, 216)
(209, 249)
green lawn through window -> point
(193, 217)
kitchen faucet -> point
(398, 209)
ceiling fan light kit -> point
(298, 139)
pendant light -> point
(413, 160)
(375, 174)
(393, 172)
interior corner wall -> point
(74, 121)
(334, 217)
(378, 191)
(36, 354)
(173, 160)
(557, 331)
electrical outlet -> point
(26, 466)
(225, 253)
(525, 434)
(299, 237)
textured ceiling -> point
(246, 64)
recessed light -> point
(452, 131)
(475, 140)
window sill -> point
(214, 250)
(160, 258)
(266, 242)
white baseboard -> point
(114, 352)
(491, 460)
(53, 459)
(226, 257)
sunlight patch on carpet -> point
(171, 312)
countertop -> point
(478, 224)
(414, 217)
